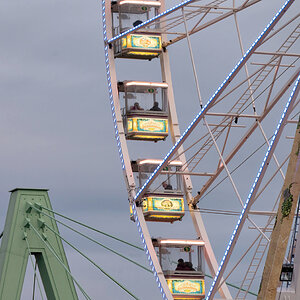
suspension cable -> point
(34, 268)
(91, 261)
(96, 242)
(234, 286)
(1, 234)
(220, 212)
(34, 281)
(60, 261)
(92, 228)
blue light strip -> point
(252, 193)
(112, 106)
(150, 20)
(120, 149)
(213, 98)
(147, 252)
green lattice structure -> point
(26, 227)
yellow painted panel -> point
(149, 124)
(186, 287)
(166, 204)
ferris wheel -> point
(234, 152)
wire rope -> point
(92, 228)
(237, 167)
(255, 99)
(234, 286)
(34, 268)
(91, 261)
(1, 234)
(34, 281)
(96, 242)
(260, 94)
(61, 262)
(200, 210)
(296, 115)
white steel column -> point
(175, 131)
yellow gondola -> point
(164, 203)
(182, 263)
(145, 112)
(139, 45)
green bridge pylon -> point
(27, 231)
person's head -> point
(164, 184)
(155, 103)
(180, 261)
(137, 22)
(136, 104)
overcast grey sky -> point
(56, 128)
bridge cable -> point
(34, 281)
(34, 269)
(232, 285)
(60, 261)
(91, 261)
(229, 284)
(96, 242)
(92, 228)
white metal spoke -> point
(210, 103)
(249, 133)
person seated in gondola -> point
(188, 266)
(155, 107)
(180, 265)
(136, 106)
(137, 22)
(167, 186)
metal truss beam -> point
(211, 22)
(214, 98)
(247, 135)
(152, 20)
(253, 191)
